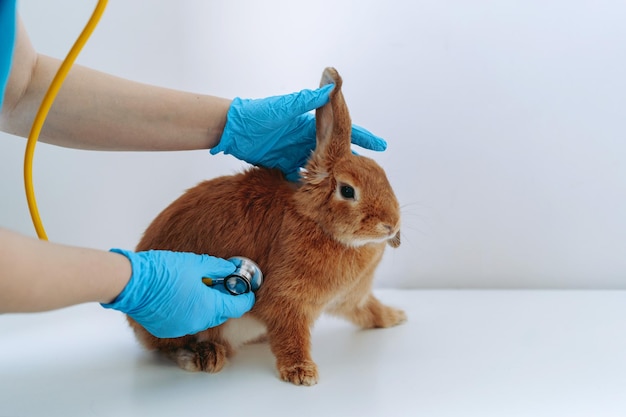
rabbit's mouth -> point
(392, 238)
(394, 242)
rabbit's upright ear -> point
(333, 125)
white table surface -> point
(462, 353)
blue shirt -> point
(8, 16)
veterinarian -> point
(161, 290)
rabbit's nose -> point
(388, 228)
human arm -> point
(38, 275)
(162, 290)
(98, 111)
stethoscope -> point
(246, 277)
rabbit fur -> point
(318, 243)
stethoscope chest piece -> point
(246, 277)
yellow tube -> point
(44, 108)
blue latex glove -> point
(279, 132)
(166, 295)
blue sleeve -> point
(8, 17)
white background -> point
(506, 123)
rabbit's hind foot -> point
(201, 356)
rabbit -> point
(318, 243)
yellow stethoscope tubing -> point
(44, 109)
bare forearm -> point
(39, 276)
(98, 111)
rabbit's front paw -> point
(387, 317)
(391, 317)
(300, 374)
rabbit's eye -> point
(347, 192)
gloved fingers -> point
(231, 306)
(366, 139)
(210, 266)
(238, 305)
(293, 176)
(304, 101)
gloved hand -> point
(279, 132)
(166, 295)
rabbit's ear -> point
(333, 123)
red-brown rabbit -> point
(318, 244)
